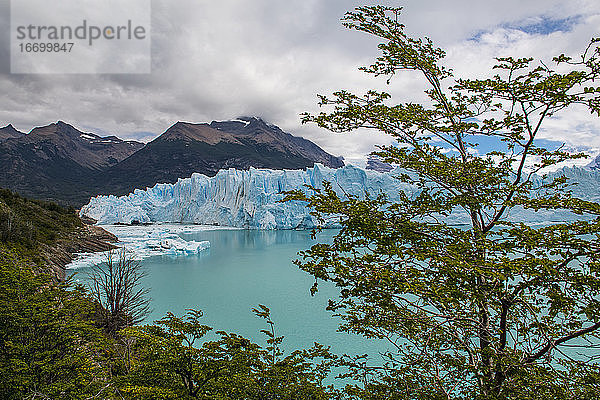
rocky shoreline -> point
(87, 239)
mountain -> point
(186, 148)
(595, 164)
(60, 163)
(375, 164)
(57, 162)
(86, 149)
(9, 132)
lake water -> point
(244, 268)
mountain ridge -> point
(61, 163)
(56, 162)
(206, 148)
(9, 132)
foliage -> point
(48, 339)
(51, 348)
(494, 309)
(51, 345)
(116, 286)
(30, 222)
(168, 363)
(46, 332)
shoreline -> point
(148, 240)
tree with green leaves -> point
(496, 308)
(173, 359)
(47, 335)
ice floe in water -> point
(145, 241)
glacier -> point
(248, 199)
(251, 199)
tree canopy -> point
(494, 307)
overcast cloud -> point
(221, 59)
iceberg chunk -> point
(148, 241)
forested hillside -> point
(63, 341)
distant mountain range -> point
(207, 148)
(9, 132)
(61, 163)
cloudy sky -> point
(214, 60)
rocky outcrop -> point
(87, 239)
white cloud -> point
(219, 60)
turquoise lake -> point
(244, 268)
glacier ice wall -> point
(251, 198)
(239, 198)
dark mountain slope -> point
(60, 163)
(186, 148)
(56, 162)
(9, 132)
